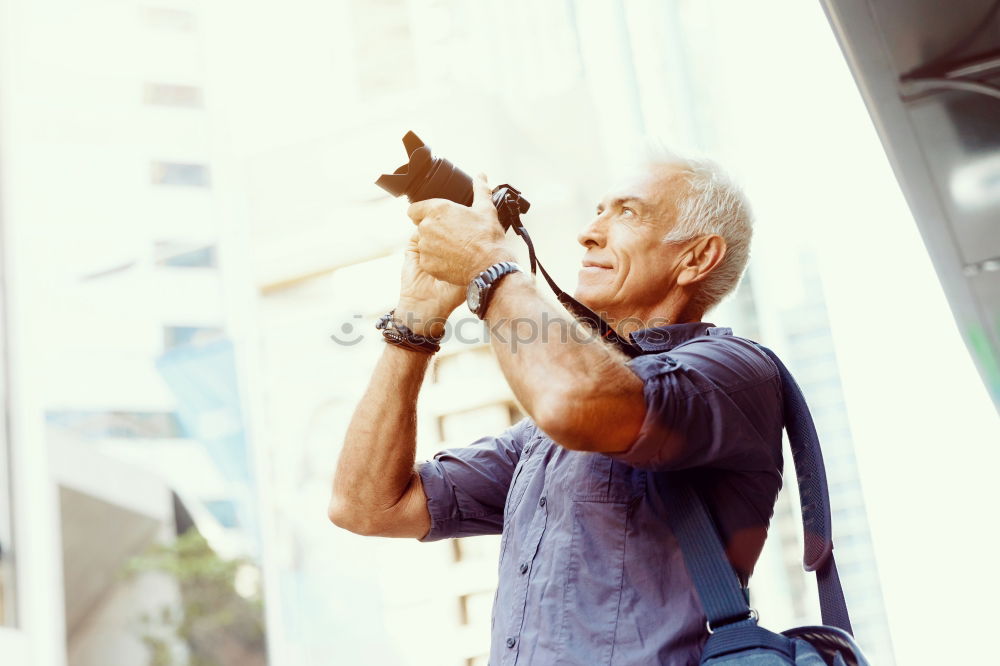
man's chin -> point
(592, 299)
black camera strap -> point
(509, 210)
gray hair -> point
(711, 203)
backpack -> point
(735, 638)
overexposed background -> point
(189, 214)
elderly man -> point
(590, 572)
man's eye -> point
(628, 212)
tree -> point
(219, 626)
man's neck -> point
(674, 309)
(628, 324)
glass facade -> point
(184, 255)
(98, 424)
(225, 511)
(180, 336)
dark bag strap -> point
(712, 574)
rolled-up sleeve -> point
(712, 402)
(467, 487)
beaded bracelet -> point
(396, 333)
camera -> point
(425, 176)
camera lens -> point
(426, 176)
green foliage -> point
(219, 626)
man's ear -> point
(701, 258)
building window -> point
(184, 255)
(168, 94)
(94, 424)
(167, 18)
(179, 173)
(182, 336)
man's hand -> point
(456, 242)
(424, 301)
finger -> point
(421, 210)
(418, 211)
(414, 241)
(423, 261)
(482, 193)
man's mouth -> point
(594, 267)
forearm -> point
(575, 386)
(375, 473)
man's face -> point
(627, 268)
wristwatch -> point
(478, 294)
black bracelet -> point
(396, 333)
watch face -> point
(472, 295)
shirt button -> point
(541, 502)
(511, 641)
(523, 568)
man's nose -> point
(594, 234)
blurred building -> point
(195, 255)
(125, 402)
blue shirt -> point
(590, 572)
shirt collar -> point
(665, 338)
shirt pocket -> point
(594, 576)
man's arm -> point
(576, 387)
(376, 491)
